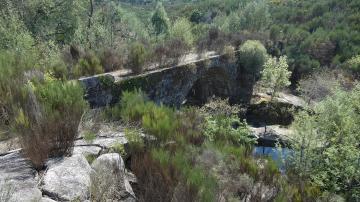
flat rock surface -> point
(18, 179)
(68, 179)
(105, 142)
(87, 150)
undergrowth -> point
(196, 156)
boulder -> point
(68, 178)
(109, 181)
(45, 199)
(18, 179)
(271, 135)
(280, 110)
(106, 140)
(87, 150)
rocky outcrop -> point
(109, 181)
(173, 86)
(68, 179)
(280, 111)
(18, 179)
(87, 150)
(269, 136)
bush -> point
(170, 52)
(182, 30)
(12, 77)
(136, 142)
(229, 54)
(111, 61)
(252, 56)
(48, 118)
(325, 145)
(353, 64)
(190, 126)
(160, 122)
(228, 130)
(132, 106)
(137, 57)
(89, 136)
(87, 66)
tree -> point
(326, 144)
(353, 65)
(317, 86)
(252, 56)
(55, 20)
(276, 74)
(13, 32)
(196, 16)
(182, 30)
(255, 16)
(160, 20)
(137, 57)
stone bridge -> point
(191, 83)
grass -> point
(89, 136)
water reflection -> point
(278, 155)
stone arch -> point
(215, 81)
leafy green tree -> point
(255, 16)
(353, 64)
(252, 56)
(160, 20)
(326, 146)
(182, 30)
(13, 32)
(276, 74)
(196, 16)
(55, 20)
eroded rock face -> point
(280, 110)
(18, 179)
(174, 86)
(68, 179)
(109, 179)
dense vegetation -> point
(313, 34)
(197, 154)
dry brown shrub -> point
(154, 182)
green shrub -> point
(229, 53)
(228, 130)
(136, 142)
(48, 118)
(12, 77)
(182, 30)
(190, 125)
(354, 64)
(159, 121)
(87, 66)
(137, 57)
(119, 148)
(90, 158)
(252, 56)
(133, 106)
(89, 136)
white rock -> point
(109, 167)
(68, 179)
(44, 199)
(87, 150)
(18, 179)
(105, 142)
